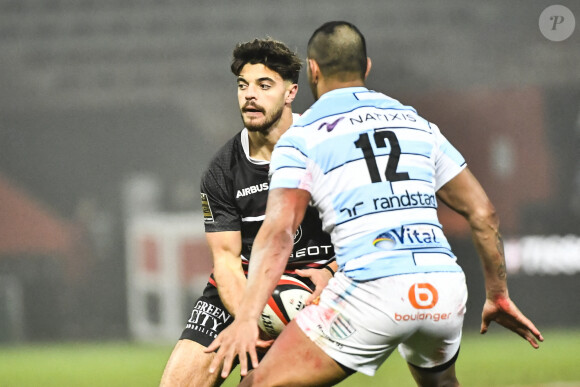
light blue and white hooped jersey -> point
(372, 167)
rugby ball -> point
(286, 301)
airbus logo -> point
(252, 190)
(330, 127)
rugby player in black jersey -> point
(234, 190)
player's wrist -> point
(330, 269)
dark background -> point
(97, 94)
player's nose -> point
(251, 92)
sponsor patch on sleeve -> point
(207, 214)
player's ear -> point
(313, 71)
(291, 91)
(369, 65)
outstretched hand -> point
(504, 312)
(240, 340)
(319, 278)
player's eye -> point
(265, 86)
(242, 86)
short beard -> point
(269, 121)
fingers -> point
(484, 326)
(243, 365)
(531, 334)
(304, 272)
(228, 360)
(215, 362)
(523, 326)
(264, 343)
(254, 358)
(262, 346)
(510, 317)
(528, 336)
(533, 342)
(250, 354)
(485, 319)
(535, 331)
(539, 336)
(314, 296)
(222, 355)
(230, 349)
(214, 345)
(308, 273)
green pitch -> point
(496, 359)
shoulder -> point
(295, 137)
(228, 153)
(225, 157)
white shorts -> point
(360, 323)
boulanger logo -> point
(557, 23)
(423, 296)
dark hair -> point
(338, 47)
(271, 53)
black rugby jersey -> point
(234, 190)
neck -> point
(262, 144)
(325, 85)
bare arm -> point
(273, 246)
(270, 253)
(226, 247)
(465, 195)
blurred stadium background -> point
(111, 109)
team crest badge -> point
(298, 234)
(205, 207)
(340, 328)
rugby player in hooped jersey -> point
(234, 190)
(374, 182)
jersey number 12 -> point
(391, 173)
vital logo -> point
(423, 296)
(385, 241)
(252, 190)
(330, 127)
(409, 237)
(206, 209)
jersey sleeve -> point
(448, 161)
(219, 210)
(289, 164)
